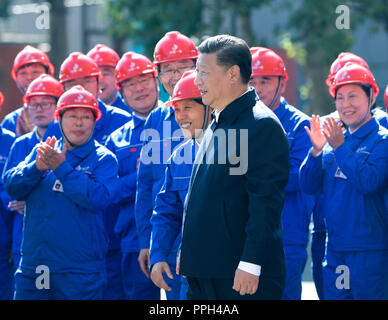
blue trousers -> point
(135, 284)
(114, 285)
(62, 286)
(318, 246)
(355, 275)
(296, 257)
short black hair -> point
(230, 51)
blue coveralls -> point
(9, 121)
(63, 230)
(352, 180)
(6, 217)
(20, 149)
(126, 145)
(168, 212)
(297, 208)
(318, 236)
(120, 103)
(163, 135)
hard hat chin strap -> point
(275, 98)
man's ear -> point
(234, 74)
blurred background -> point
(307, 34)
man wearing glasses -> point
(174, 54)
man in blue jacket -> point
(6, 275)
(269, 77)
(29, 64)
(64, 244)
(106, 59)
(193, 118)
(137, 79)
(41, 98)
(174, 54)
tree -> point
(145, 22)
(316, 31)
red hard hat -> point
(104, 56)
(341, 60)
(44, 85)
(254, 49)
(185, 89)
(77, 97)
(77, 65)
(353, 73)
(386, 98)
(265, 62)
(133, 64)
(29, 55)
(1, 98)
(174, 46)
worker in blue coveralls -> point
(29, 64)
(79, 69)
(351, 171)
(65, 184)
(269, 77)
(137, 79)
(174, 54)
(106, 59)
(6, 275)
(193, 117)
(41, 99)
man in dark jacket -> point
(232, 234)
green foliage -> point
(145, 22)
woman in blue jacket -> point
(351, 171)
(65, 184)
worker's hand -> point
(51, 157)
(245, 282)
(333, 133)
(318, 139)
(157, 275)
(17, 206)
(144, 261)
(23, 123)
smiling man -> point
(232, 228)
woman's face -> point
(352, 104)
(78, 125)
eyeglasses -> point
(43, 105)
(171, 72)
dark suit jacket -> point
(236, 217)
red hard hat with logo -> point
(266, 62)
(255, 49)
(353, 73)
(44, 85)
(104, 56)
(133, 64)
(78, 65)
(1, 98)
(341, 60)
(174, 46)
(77, 97)
(185, 89)
(30, 55)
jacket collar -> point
(364, 130)
(233, 109)
(280, 111)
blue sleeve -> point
(367, 174)
(311, 174)
(19, 181)
(9, 122)
(166, 221)
(93, 192)
(300, 146)
(144, 201)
